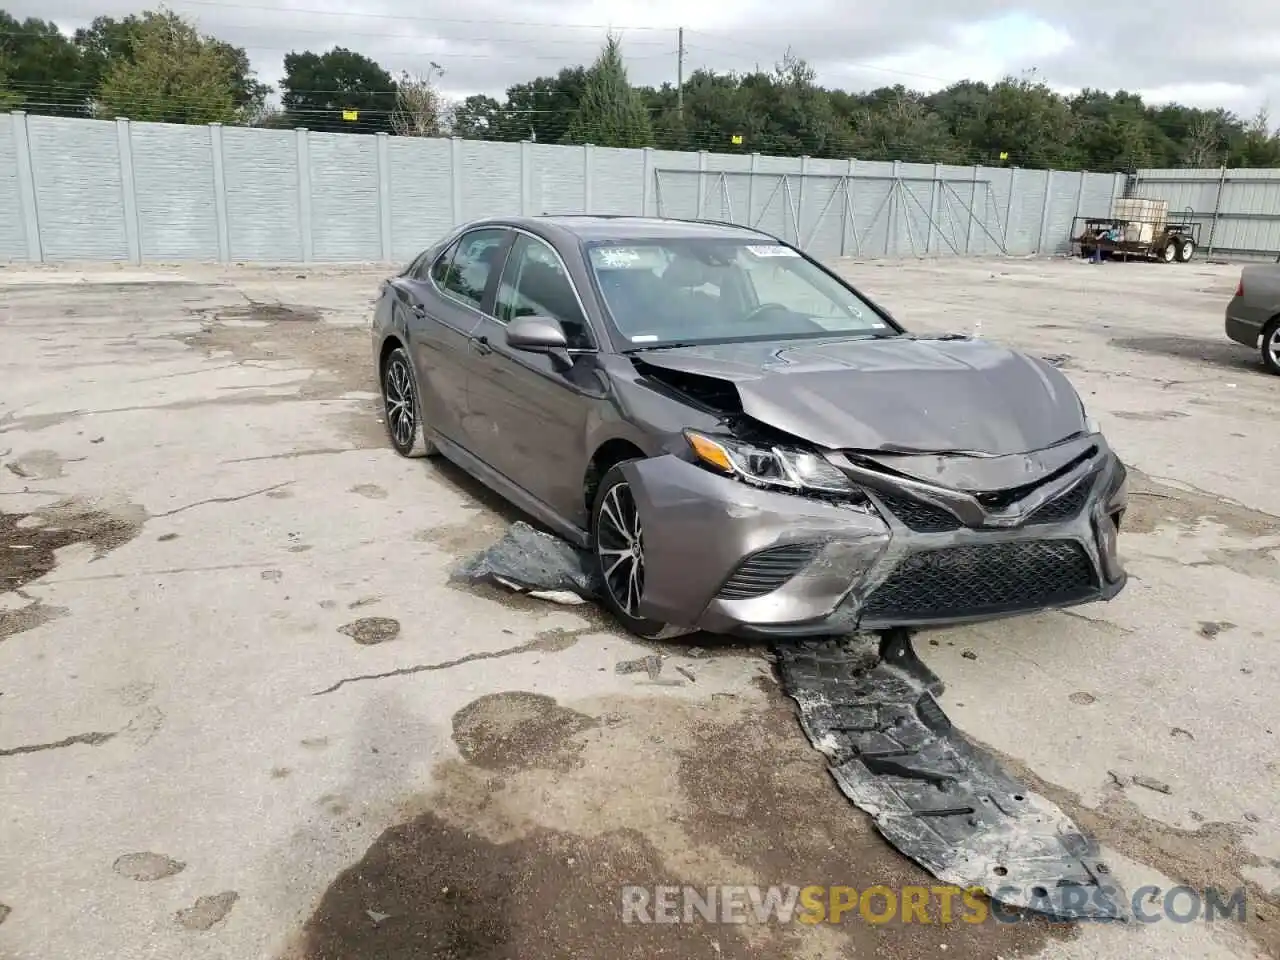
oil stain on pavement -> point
(28, 550)
(525, 846)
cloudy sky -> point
(1171, 50)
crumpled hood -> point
(893, 394)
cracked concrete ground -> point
(244, 714)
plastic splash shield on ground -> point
(868, 704)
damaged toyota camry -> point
(742, 441)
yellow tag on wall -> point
(736, 139)
(350, 114)
(1004, 154)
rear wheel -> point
(1270, 346)
(1170, 252)
(617, 546)
(402, 408)
(1186, 250)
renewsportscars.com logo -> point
(943, 904)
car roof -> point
(595, 227)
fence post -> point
(1008, 208)
(1217, 208)
(702, 189)
(588, 168)
(973, 200)
(804, 175)
(304, 193)
(27, 187)
(128, 191)
(751, 188)
(1044, 211)
(220, 193)
(455, 179)
(1084, 180)
(381, 144)
(526, 178)
(891, 223)
(646, 154)
(936, 186)
(846, 211)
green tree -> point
(904, 128)
(320, 90)
(9, 100)
(611, 112)
(480, 117)
(108, 41)
(172, 75)
(43, 68)
(540, 109)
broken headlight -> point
(787, 468)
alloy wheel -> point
(401, 404)
(1273, 347)
(619, 541)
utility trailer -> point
(1139, 229)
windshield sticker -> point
(774, 250)
(645, 338)
(618, 257)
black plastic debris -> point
(530, 561)
(869, 705)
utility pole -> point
(680, 72)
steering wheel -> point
(764, 309)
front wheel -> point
(1170, 252)
(1270, 346)
(1186, 251)
(617, 546)
(401, 407)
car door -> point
(535, 410)
(446, 301)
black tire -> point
(402, 407)
(1269, 346)
(613, 495)
(1186, 249)
(1170, 252)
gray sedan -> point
(743, 441)
(1253, 315)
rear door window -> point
(477, 259)
(440, 268)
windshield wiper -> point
(673, 345)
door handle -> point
(481, 345)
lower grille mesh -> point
(986, 578)
(766, 571)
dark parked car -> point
(1253, 314)
(744, 442)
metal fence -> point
(75, 189)
(1238, 209)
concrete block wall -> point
(73, 189)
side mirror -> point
(540, 335)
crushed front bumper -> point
(727, 557)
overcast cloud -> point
(1173, 50)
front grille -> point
(919, 516)
(766, 571)
(978, 579)
(1065, 507)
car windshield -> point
(710, 290)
